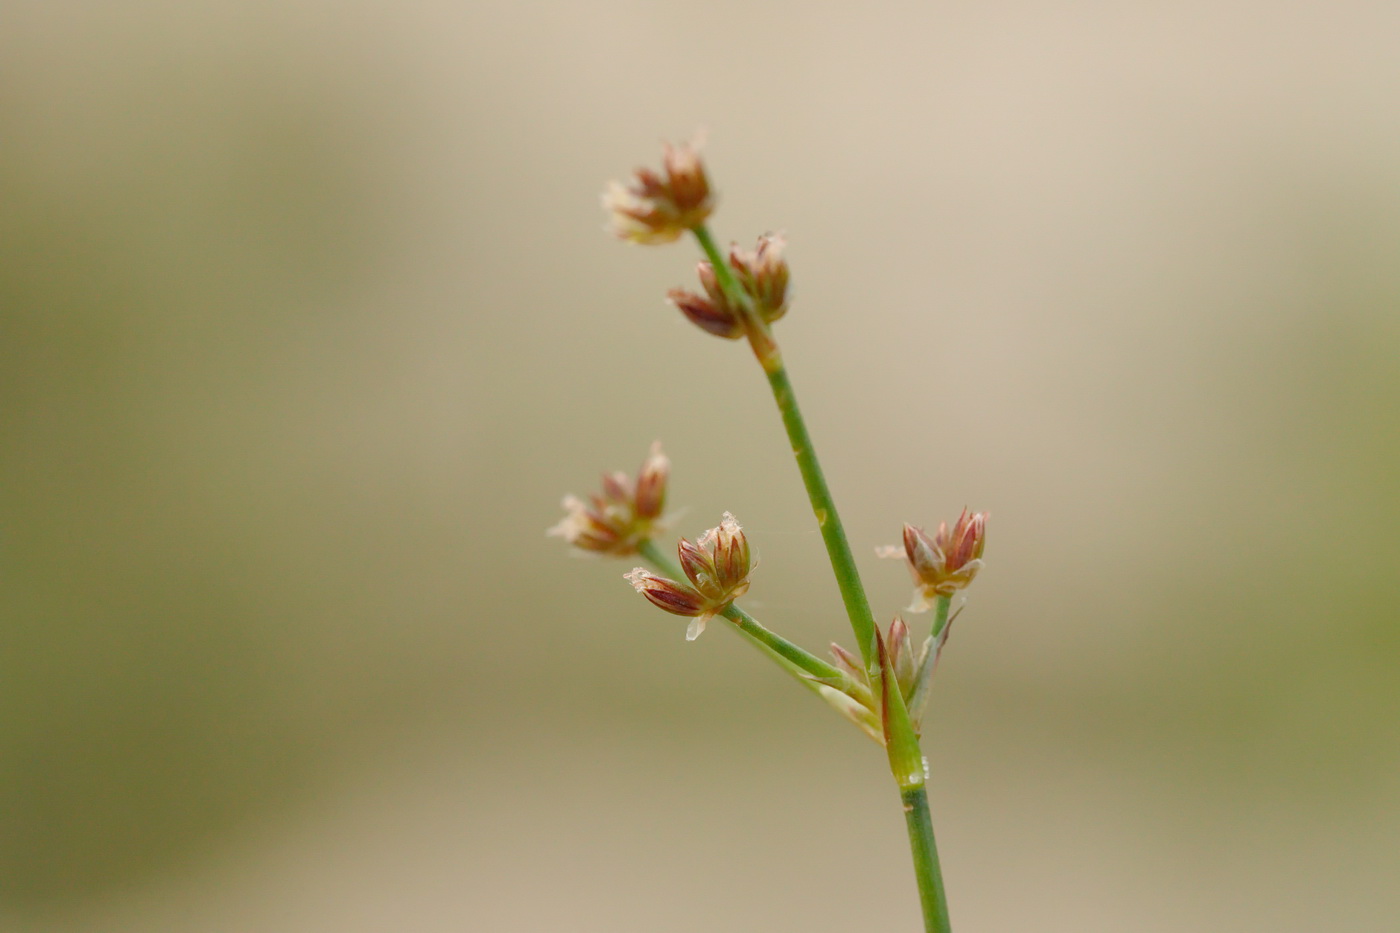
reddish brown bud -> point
(656, 209)
(667, 594)
(728, 550)
(718, 319)
(710, 283)
(650, 496)
(687, 184)
(967, 540)
(697, 565)
(624, 515)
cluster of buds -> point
(762, 276)
(906, 669)
(717, 566)
(945, 563)
(621, 517)
(660, 207)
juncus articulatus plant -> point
(883, 686)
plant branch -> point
(843, 562)
(906, 762)
(811, 670)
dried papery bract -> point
(626, 513)
(660, 207)
(717, 565)
(946, 562)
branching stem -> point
(901, 742)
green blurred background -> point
(307, 321)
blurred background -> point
(308, 320)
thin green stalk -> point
(838, 549)
(940, 615)
(722, 271)
(926, 868)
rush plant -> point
(883, 686)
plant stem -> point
(838, 549)
(940, 615)
(926, 868)
(843, 563)
(906, 764)
(723, 273)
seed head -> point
(659, 207)
(717, 565)
(617, 520)
(762, 274)
(946, 562)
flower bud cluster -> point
(911, 671)
(946, 562)
(717, 565)
(626, 513)
(762, 274)
(660, 207)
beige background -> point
(308, 321)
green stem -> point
(838, 549)
(940, 615)
(902, 744)
(723, 274)
(926, 868)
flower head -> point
(717, 565)
(623, 515)
(659, 207)
(762, 275)
(945, 563)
